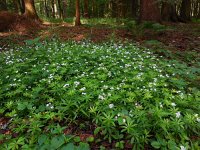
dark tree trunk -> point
(185, 10)
(3, 5)
(149, 11)
(86, 7)
(46, 8)
(53, 9)
(78, 21)
(168, 12)
(30, 11)
(16, 6)
(134, 8)
(64, 8)
(22, 6)
(60, 10)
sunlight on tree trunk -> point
(30, 11)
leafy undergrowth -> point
(57, 95)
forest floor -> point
(178, 38)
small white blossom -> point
(161, 106)
(178, 114)
(124, 120)
(66, 85)
(111, 106)
(182, 147)
(83, 89)
(198, 120)
(76, 83)
(173, 104)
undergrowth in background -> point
(124, 94)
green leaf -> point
(57, 141)
(77, 139)
(69, 146)
(120, 121)
(155, 144)
(90, 139)
(96, 131)
(42, 138)
(83, 146)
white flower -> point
(198, 120)
(173, 104)
(66, 85)
(101, 97)
(83, 89)
(76, 83)
(124, 120)
(182, 147)
(83, 93)
(161, 106)
(111, 105)
(178, 114)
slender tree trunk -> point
(198, 16)
(22, 6)
(185, 10)
(60, 10)
(149, 11)
(77, 21)
(16, 6)
(64, 8)
(134, 8)
(86, 12)
(30, 11)
(46, 8)
(53, 9)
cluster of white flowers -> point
(76, 83)
(50, 105)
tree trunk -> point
(134, 8)
(64, 8)
(86, 12)
(60, 10)
(168, 12)
(149, 11)
(185, 10)
(77, 21)
(16, 6)
(3, 5)
(53, 9)
(22, 6)
(46, 8)
(30, 11)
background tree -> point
(30, 11)
(185, 10)
(3, 5)
(149, 11)
(77, 21)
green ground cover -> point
(122, 93)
